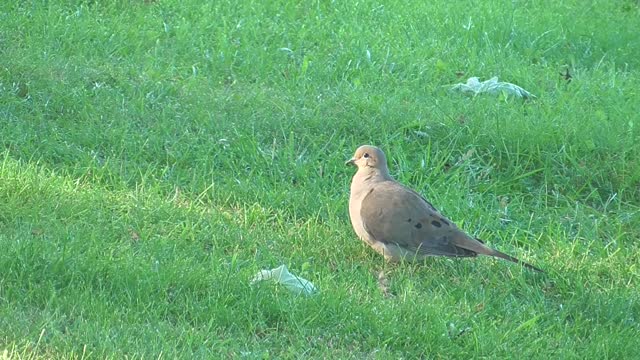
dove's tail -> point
(478, 247)
(497, 253)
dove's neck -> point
(372, 175)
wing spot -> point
(444, 221)
(409, 220)
(436, 223)
(418, 226)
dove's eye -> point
(366, 156)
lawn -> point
(155, 155)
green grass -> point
(156, 154)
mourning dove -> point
(399, 223)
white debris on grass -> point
(491, 86)
(281, 275)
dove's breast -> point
(355, 203)
(358, 192)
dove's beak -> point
(351, 161)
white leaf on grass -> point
(287, 50)
(491, 86)
(281, 275)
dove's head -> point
(369, 158)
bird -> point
(399, 223)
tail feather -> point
(501, 255)
(477, 246)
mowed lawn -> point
(155, 155)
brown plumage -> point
(399, 223)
